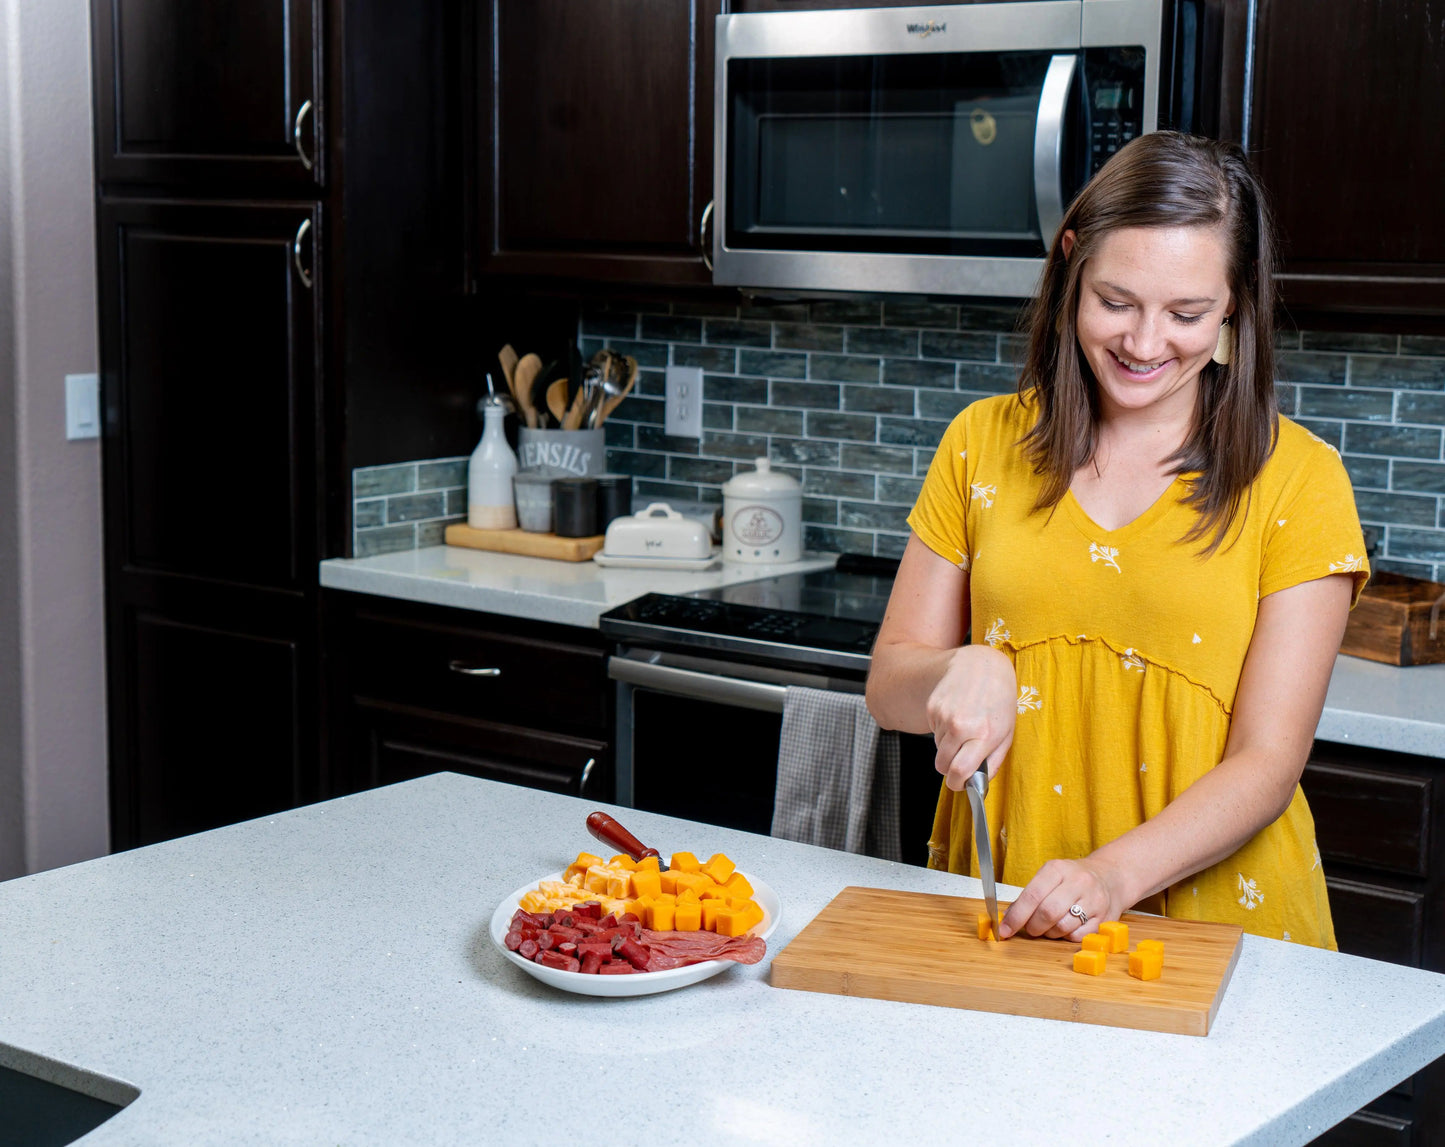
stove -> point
(827, 619)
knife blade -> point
(977, 789)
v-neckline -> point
(1160, 506)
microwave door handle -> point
(700, 686)
(1049, 145)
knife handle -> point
(608, 831)
(978, 779)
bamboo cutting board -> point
(523, 542)
(924, 949)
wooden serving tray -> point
(524, 542)
(1391, 621)
(924, 949)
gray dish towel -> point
(837, 775)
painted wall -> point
(53, 777)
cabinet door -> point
(209, 381)
(225, 91)
(392, 743)
(1347, 116)
(600, 116)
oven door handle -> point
(700, 686)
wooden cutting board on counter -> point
(922, 948)
(523, 542)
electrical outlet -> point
(682, 413)
(82, 406)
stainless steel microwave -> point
(932, 150)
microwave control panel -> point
(1113, 105)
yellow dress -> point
(1128, 646)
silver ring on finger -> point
(1079, 914)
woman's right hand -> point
(972, 711)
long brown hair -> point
(1163, 179)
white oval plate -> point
(638, 983)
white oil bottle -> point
(490, 501)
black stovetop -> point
(826, 619)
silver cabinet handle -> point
(296, 251)
(702, 234)
(1048, 145)
(301, 113)
(473, 670)
(586, 774)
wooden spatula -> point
(557, 399)
(528, 368)
(508, 359)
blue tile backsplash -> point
(852, 396)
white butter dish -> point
(657, 532)
(694, 564)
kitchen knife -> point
(608, 831)
(977, 789)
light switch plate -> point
(682, 412)
(82, 406)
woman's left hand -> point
(1043, 908)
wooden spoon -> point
(557, 399)
(508, 358)
(528, 368)
(614, 399)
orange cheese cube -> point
(637, 907)
(660, 916)
(668, 881)
(1155, 945)
(622, 860)
(732, 922)
(737, 885)
(719, 867)
(712, 890)
(710, 909)
(985, 926)
(1118, 933)
(692, 881)
(1090, 962)
(687, 896)
(688, 917)
(1146, 963)
(648, 864)
(683, 862)
(645, 883)
(752, 912)
(584, 861)
(667, 897)
(1098, 942)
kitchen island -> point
(327, 976)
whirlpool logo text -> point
(931, 28)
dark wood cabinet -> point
(226, 93)
(209, 333)
(1380, 825)
(596, 121)
(416, 689)
(1346, 119)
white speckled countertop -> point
(567, 593)
(1371, 705)
(326, 976)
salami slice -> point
(679, 949)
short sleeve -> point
(938, 515)
(1316, 528)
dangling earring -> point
(1224, 348)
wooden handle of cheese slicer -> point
(608, 831)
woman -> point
(1156, 569)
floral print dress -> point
(1128, 646)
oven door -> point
(697, 738)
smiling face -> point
(1151, 301)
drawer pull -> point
(473, 670)
(586, 773)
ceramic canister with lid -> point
(762, 516)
